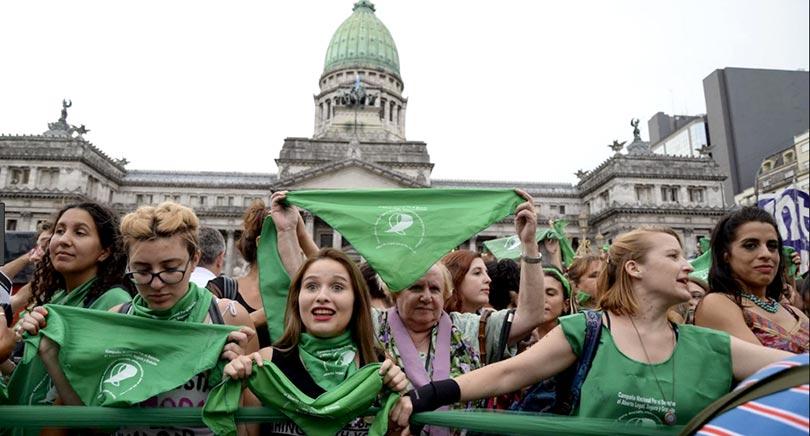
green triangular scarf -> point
(509, 247)
(402, 232)
(112, 359)
(321, 416)
(330, 360)
(274, 283)
(30, 383)
(192, 306)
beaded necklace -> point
(769, 304)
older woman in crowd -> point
(432, 344)
(641, 359)
(746, 284)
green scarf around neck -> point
(75, 297)
(330, 361)
(322, 416)
(192, 307)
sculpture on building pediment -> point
(65, 105)
(580, 174)
(636, 132)
(61, 127)
(617, 146)
(704, 150)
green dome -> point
(362, 41)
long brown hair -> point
(615, 289)
(252, 223)
(458, 263)
(360, 325)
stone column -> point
(229, 253)
(473, 240)
(337, 239)
(309, 224)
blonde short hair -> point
(162, 221)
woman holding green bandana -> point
(162, 246)
(83, 267)
(645, 370)
(327, 340)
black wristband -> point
(434, 395)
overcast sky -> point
(499, 90)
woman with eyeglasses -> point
(83, 266)
(162, 247)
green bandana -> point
(329, 361)
(192, 307)
(321, 416)
(510, 247)
(274, 283)
(389, 226)
(560, 278)
(30, 383)
(582, 298)
(112, 359)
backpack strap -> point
(593, 331)
(125, 308)
(482, 333)
(504, 337)
(223, 287)
(214, 313)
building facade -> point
(752, 114)
(359, 141)
(788, 168)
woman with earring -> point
(83, 267)
(746, 284)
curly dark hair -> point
(505, 275)
(721, 277)
(110, 271)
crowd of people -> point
(626, 334)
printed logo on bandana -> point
(124, 373)
(120, 377)
(400, 226)
(511, 243)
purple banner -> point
(791, 209)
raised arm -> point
(305, 240)
(529, 312)
(286, 219)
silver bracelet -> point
(531, 259)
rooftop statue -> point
(65, 105)
(616, 146)
(636, 132)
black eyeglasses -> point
(167, 276)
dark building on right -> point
(752, 114)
